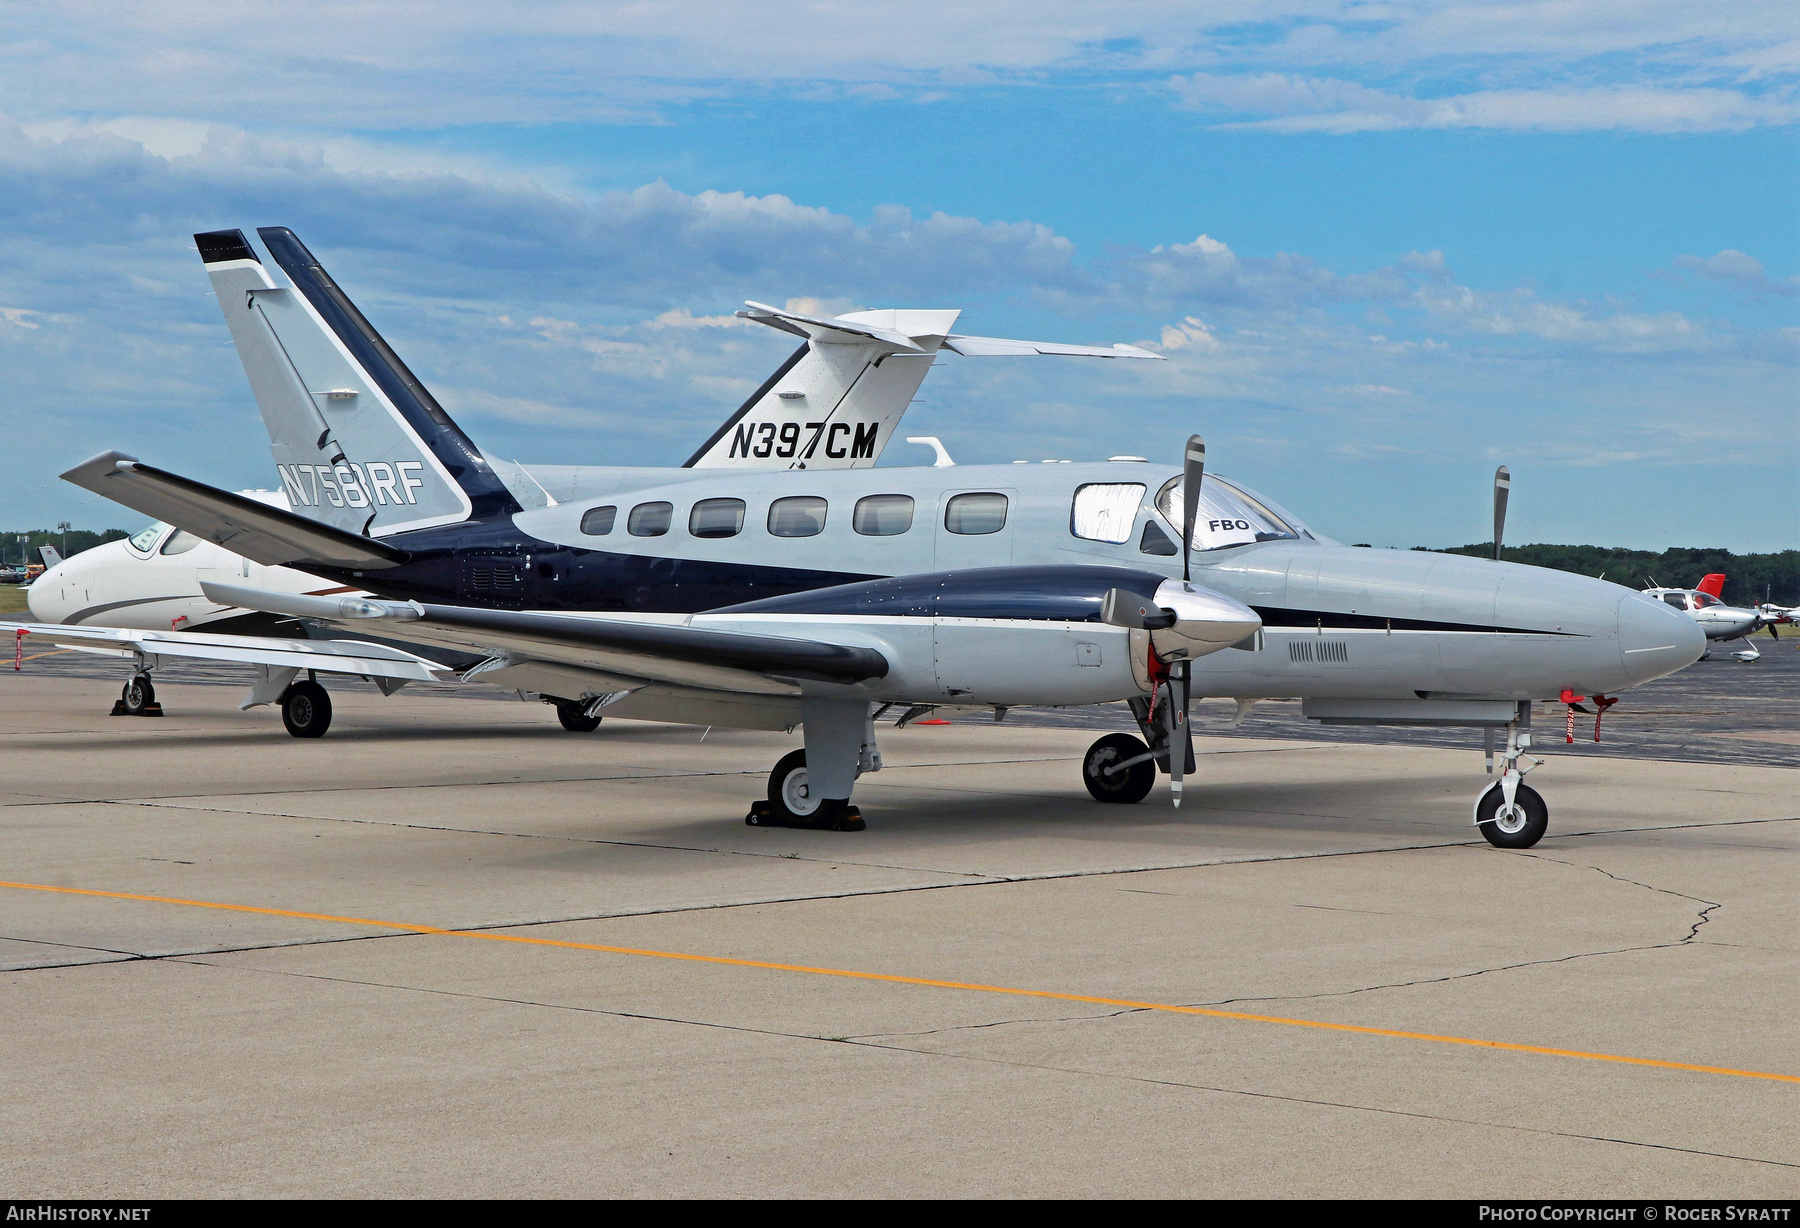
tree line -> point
(1749, 578)
(13, 551)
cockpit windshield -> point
(1702, 600)
(1228, 515)
(146, 537)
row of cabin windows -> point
(801, 516)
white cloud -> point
(1302, 104)
(1333, 65)
(1746, 272)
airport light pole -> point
(62, 526)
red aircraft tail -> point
(1713, 584)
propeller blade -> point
(1181, 735)
(1502, 486)
(1191, 475)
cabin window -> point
(146, 537)
(181, 543)
(598, 521)
(1678, 600)
(978, 513)
(717, 518)
(882, 515)
(1155, 541)
(1104, 511)
(797, 516)
(649, 519)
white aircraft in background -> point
(1719, 621)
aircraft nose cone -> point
(41, 598)
(1655, 639)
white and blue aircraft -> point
(776, 599)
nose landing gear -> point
(138, 698)
(1510, 813)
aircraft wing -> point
(326, 656)
(265, 534)
(620, 652)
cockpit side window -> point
(1226, 515)
(144, 539)
(1702, 600)
(181, 543)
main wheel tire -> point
(790, 798)
(306, 710)
(1131, 785)
(575, 720)
(138, 694)
(1519, 830)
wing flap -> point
(652, 650)
(327, 656)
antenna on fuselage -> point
(1502, 487)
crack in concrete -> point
(1335, 1104)
(866, 1043)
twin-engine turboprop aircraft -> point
(775, 599)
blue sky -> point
(1437, 236)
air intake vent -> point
(1334, 650)
(494, 579)
(1300, 650)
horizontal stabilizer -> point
(1002, 347)
(837, 401)
(326, 656)
(264, 534)
(651, 649)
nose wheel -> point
(1510, 813)
(138, 698)
(1517, 825)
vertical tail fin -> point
(359, 442)
(1713, 584)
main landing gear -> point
(811, 787)
(1510, 813)
(1118, 768)
(1121, 768)
(574, 717)
(306, 709)
(794, 802)
(138, 698)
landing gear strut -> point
(1509, 812)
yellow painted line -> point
(917, 980)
